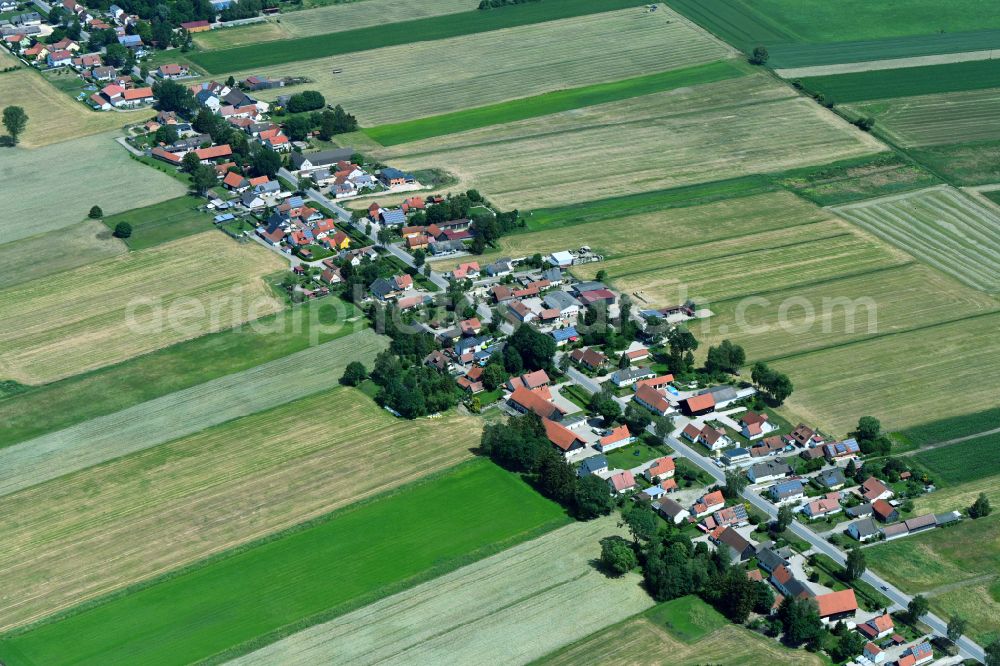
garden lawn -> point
(107, 527)
(112, 310)
(163, 222)
(400, 33)
(681, 632)
(82, 397)
(32, 258)
(553, 102)
(69, 178)
(358, 554)
(626, 458)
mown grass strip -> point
(543, 219)
(404, 32)
(163, 222)
(363, 552)
(553, 102)
(906, 82)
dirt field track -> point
(112, 310)
(510, 608)
(109, 526)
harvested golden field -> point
(641, 641)
(53, 116)
(958, 497)
(112, 310)
(77, 245)
(69, 178)
(415, 80)
(746, 266)
(648, 233)
(895, 377)
(513, 607)
(332, 18)
(709, 132)
(109, 526)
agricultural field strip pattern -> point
(940, 226)
(183, 412)
(875, 65)
(55, 174)
(688, 135)
(937, 119)
(510, 608)
(112, 310)
(415, 81)
(79, 245)
(108, 527)
(948, 46)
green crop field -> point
(358, 554)
(511, 608)
(70, 401)
(706, 133)
(891, 376)
(62, 175)
(327, 20)
(682, 632)
(491, 67)
(951, 464)
(183, 412)
(945, 429)
(932, 120)
(553, 102)
(955, 567)
(906, 81)
(747, 23)
(434, 28)
(163, 222)
(941, 226)
(975, 163)
(77, 245)
(107, 527)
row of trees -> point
(520, 446)
(775, 384)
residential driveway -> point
(583, 381)
(566, 404)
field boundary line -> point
(890, 197)
(880, 336)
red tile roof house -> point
(698, 404)
(562, 437)
(236, 182)
(531, 381)
(615, 439)
(472, 380)
(837, 606)
(884, 511)
(206, 155)
(467, 270)
(637, 354)
(622, 482)
(134, 97)
(171, 71)
(166, 156)
(826, 506)
(920, 653)
(652, 400)
(877, 627)
(709, 504)
(661, 382)
(471, 327)
(715, 439)
(755, 425)
(660, 469)
(873, 489)
(873, 653)
(524, 401)
(589, 358)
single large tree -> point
(855, 564)
(592, 498)
(785, 518)
(15, 119)
(980, 508)
(956, 627)
(993, 652)
(917, 607)
(617, 556)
